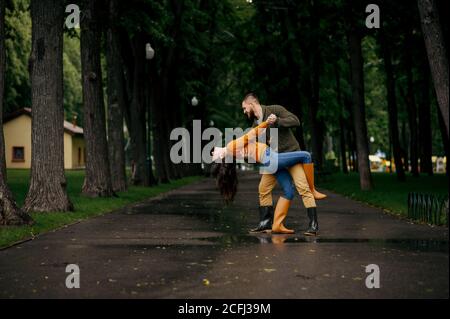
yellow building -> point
(17, 131)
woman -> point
(247, 147)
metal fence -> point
(428, 208)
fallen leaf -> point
(269, 270)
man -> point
(278, 117)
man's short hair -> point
(251, 95)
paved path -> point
(186, 244)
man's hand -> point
(272, 119)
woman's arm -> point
(240, 143)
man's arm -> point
(285, 118)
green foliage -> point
(18, 48)
(224, 49)
(72, 77)
(388, 192)
(376, 104)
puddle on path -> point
(423, 245)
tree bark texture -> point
(140, 173)
(437, 54)
(97, 182)
(116, 101)
(358, 108)
(392, 109)
(10, 213)
(48, 185)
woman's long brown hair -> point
(226, 180)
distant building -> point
(17, 131)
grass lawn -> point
(388, 192)
(18, 180)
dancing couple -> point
(293, 167)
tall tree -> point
(116, 100)
(409, 97)
(425, 133)
(358, 106)
(445, 139)
(140, 174)
(48, 186)
(437, 55)
(97, 182)
(392, 107)
(341, 119)
(10, 213)
(315, 60)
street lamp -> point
(371, 139)
(194, 101)
(149, 52)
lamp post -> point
(194, 101)
(149, 55)
(149, 52)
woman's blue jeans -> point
(284, 161)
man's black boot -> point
(313, 224)
(265, 220)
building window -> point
(18, 154)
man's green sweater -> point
(285, 121)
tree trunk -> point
(149, 121)
(140, 174)
(313, 60)
(10, 213)
(445, 138)
(358, 107)
(97, 182)
(350, 150)
(341, 119)
(116, 102)
(392, 109)
(48, 185)
(294, 97)
(404, 147)
(425, 135)
(155, 103)
(437, 55)
(167, 79)
(412, 108)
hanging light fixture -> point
(149, 52)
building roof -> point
(68, 127)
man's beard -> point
(251, 116)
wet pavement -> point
(187, 244)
